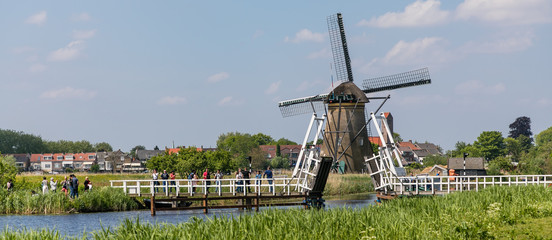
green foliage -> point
(415, 166)
(189, 159)
(466, 215)
(490, 144)
(499, 166)
(278, 150)
(521, 126)
(262, 139)
(432, 160)
(544, 137)
(19, 142)
(279, 162)
(283, 141)
(513, 147)
(97, 200)
(95, 168)
(8, 170)
(375, 148)
(103, 147)
(397, 137)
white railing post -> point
(477, 184)
(138, 188)
(124, 186)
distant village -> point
(121, 162)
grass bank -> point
(97, 200)
(494, 213)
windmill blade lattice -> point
(395, 81)
(340, 51)
(304, 105)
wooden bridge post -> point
(152, 205)
(257, 201)
(205, 203)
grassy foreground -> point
(494, 213)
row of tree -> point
(234, 150)
(503, 154)
(12, 142)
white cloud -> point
(506, 43)
(544, 102)
(417, 14)
(81, 17)
(218, 77)
(37, 68)
(69, 52)
(474, 87)
(506, 12)
(68, 93)
(324, 53)
(305, 35)
(229, 101)
(38, 19)
(83, 34)
(172, 100)
(273, 87)
(419, 50)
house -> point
(113, 161)
(291, 152)
(35, 164)
(22, 160)
(144, 155)
(133, 165)
(432, 171)
(431, 148)
(473, 167)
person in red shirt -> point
(206, 177)
(172, 176)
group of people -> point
(194, 177)
(70, 185)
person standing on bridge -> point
(207, 177)
(218, 177)
(172, 176)
(246, 176)
(268, 175)
(155, 176)
(165, 177)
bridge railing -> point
(446, 184)
(202, 186)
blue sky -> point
(150, 73)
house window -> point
(38, 158)
(361, 142)
(122, 158)
(69, 158)
(90, 157)
(78, 165)
(47, 157)
(59, 157)
(47, 166)
(57, 165)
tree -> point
(397, 137)
(490, 144)
(156, 148)
(103, 147)
(435, 160)
(279, 162)
(262, 139)
(95, 168)
(544, 137)
(521, 126)
(8, 170)
(278, 150)
(284, 141)
(19, 142)
(133, 150)
(513, 147)
(499, 166)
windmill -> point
(345, 135)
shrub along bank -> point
(98, 200)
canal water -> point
(73, 225)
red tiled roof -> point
(409, 144)
(375, 140)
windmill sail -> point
(303, 105)
(395, 81)
(340, 51)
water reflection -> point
(77, 224)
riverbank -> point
(494, 213)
